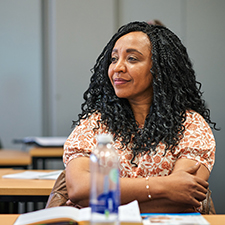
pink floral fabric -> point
(197, 144)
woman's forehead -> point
(136, 39)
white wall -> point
(20, 70)
(205, 41)
(82, 29)
(76, 32)
(169, 12)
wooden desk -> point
(212, 219)
(14, 158)
(8, 219)
(22, 190)
(24, 187)
(45, 154)
(218, 219)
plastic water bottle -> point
(105, 190)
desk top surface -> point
(24, 187)
(46, 152)
(9, 219)
(14, 157)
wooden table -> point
(14, 158)
(8, 219)
(212, 219)
(218, 219)
(45, 154)
(22, 190)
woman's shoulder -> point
(193, 116)
(85, 129)
(94, 116)
(196, 121)
(90, 119)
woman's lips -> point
(118, 81)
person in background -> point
(144, 92)
(155, 22)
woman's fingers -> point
(193, 169)
(202, 182)
(200, 196)
(195, 202)
(190, 189)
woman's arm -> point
(183, 190)
(78, 180)
(192, 178)
(180, 191)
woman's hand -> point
(183, 186)
(69, 203)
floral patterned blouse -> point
(197, 144)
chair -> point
(58, 195)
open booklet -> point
(173, 218)
(34, 175)
(128, 214)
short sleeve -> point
(198, 142)
(82, 140)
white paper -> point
(46, 141)
(34, 175)
(127, 213)
(50, 175)
(130, 212)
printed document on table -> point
(173, 218)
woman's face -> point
(129, 71)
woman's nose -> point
(120, 66)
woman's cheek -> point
(110, 74)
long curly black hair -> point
(175, 90)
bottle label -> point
(113, 175)
(106, 203)
(109, 200)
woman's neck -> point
(140, 112)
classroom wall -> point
(80, 37)
(20, 70)
(205, 41)
(46, 84)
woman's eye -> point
(113, 59)
(132, 59)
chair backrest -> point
(58, 196)
(207, 204)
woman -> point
(143, 90)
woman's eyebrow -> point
(128, 50)
(133, 50)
